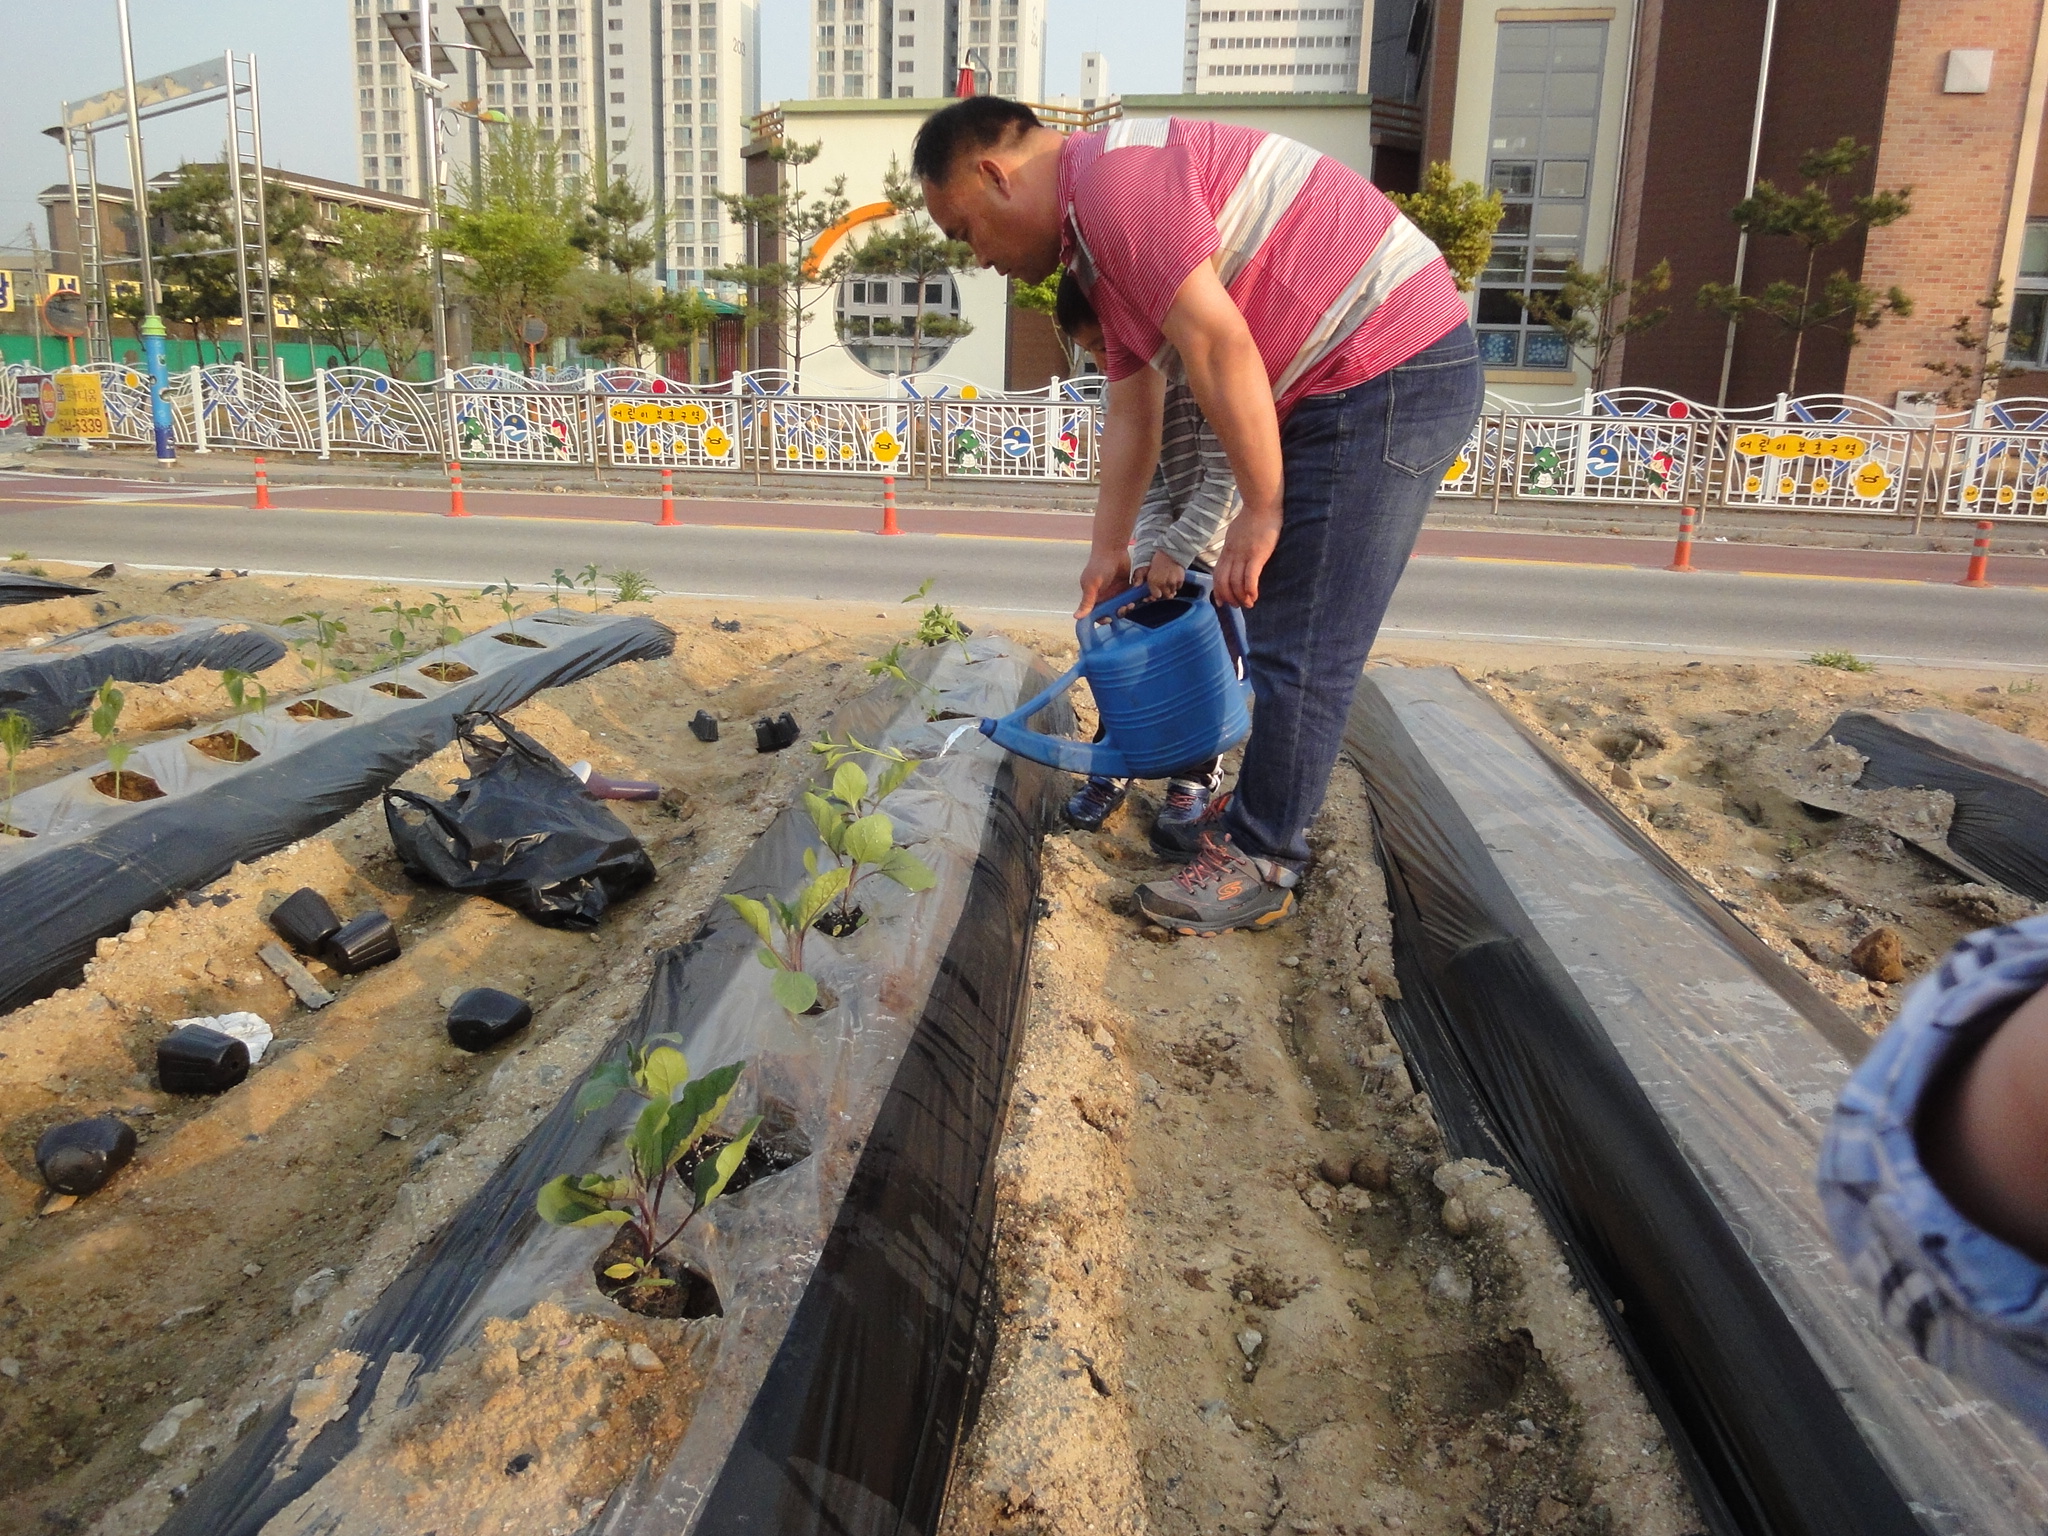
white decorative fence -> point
(1829, 454)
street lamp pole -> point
(152, 322)
(430, 168)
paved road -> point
(1506, 597)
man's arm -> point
(1229, 380)
(1129, 455)
(1983, 1134)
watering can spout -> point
(1096, 759)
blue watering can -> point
(1168, 680)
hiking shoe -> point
(1220, 890)
(1093, 802)
(1190, 807)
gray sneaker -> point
(1220, 890)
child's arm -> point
(1205, 513)
(1155, 521)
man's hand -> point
(1162, 576)
(1107, 573)
(1246, 549)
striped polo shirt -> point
(1336, 286)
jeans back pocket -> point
(1432, 401)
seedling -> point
(1841, 661)
(587, 580)
(562, 582)
(938, 624)
(447, 626)
(246, 696)
(633, 586)
(17, 554)
(2025, 685)
(679, 1112)
(322, 642)
(508, 604)
(15, 735)
(398, 640)
(106, 720)
(853, 826)
(781, 926)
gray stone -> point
(158, 1441)
(314, 1289)
(432, 1149)
(1249, 1341)
(641, 1358)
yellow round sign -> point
(716, 443)
(1871, 480)
(969, 392)
(885, 447)
(1457, 470)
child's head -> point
(1073, 314)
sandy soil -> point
(254, 1227)
(1206, 1324)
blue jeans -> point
(1361, 469)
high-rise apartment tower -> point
(1275, 48)
(917, 48)
(662, 93)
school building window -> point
(1546, 110)
(2026, 344)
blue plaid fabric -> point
(1967, 1302)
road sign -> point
(59, 282)
(38, 393)
(81, 406)
(64, 312)
(533, 330)
(6, 293)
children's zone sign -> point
(684, 430)
(1869, 481)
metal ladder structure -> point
(248, 218)
(80, 154)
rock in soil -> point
(1881, 956)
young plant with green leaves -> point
(587, 579)
(1595, 313)
(853, 826)
(322, 642)
(632, 586)
(106, 720)
(679, 1113)
(508, 602)
(446, 619)
(405, 623)
(15, 735)
(561, 582)
(938, 624)
(781, 927)
(246, 697)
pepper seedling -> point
(15, 735)
(323, 641)
(562, 582)
(245, 697)
(781, 926)
(447, 628)
(852, 825)
(679, 1112)
(106, 720)
(508, 605)
(587, 580)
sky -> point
(301, 52)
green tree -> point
(1595, 313)
(201, 287)
(1042, 297)
(915, 250)
(373, 290)
(511, 223)
(619, 229)
(1813, 219)
(1980, 339)
(786, 291)
(1458, 216)
(624, 321)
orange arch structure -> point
(867, 213)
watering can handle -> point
(1200, 582)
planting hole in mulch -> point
(837, 924)
(692, 1295)
(226, 747)
(396, 690)
(127, 786)
(773, 1149)
(521, 640)
(950, 714)
(448, 672)
(8, 831)
(317, 709)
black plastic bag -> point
(520, 830)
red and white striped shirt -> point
(1335, 284)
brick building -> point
(1621, 134)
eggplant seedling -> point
(679, 1112)
(106, 720)
(15, 735)
(781, 926)
(852, 824)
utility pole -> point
(152, 322)
(430, 172)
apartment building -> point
(661, 93)
(1318, 48)
(1620, 135)
(915, 49)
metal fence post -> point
(198, 376)
(320, 411)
